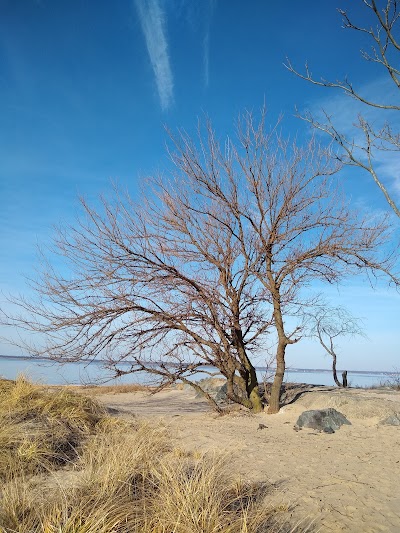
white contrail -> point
(206, 57)
(206, 42)
(152, 20)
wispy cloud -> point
(206, 57)
(152, 20)
(206, 42)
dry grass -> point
(95, 390)
(126, 477)
(393, 382)
(41, 429)
(199, 495)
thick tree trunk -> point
(334, 371)
(249, 374)
(283, 340)
(256, 402)
(274, 404)
(241, 397)
(253, 391)
(250, 397)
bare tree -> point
(209, 265)
(360, 149)
(159, 288)
(328, 324)
(305, 231)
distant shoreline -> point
(258, 368)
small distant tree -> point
(361, 148)
(207, 266)
(328, 325)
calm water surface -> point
(83, 373)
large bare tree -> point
(212, 263)
(369, 135)
(159, 287)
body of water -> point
(83, 373)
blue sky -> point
(87, 87)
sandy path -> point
(347, 481)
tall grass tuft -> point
(41, 428)
(200, 495)
(124, 476)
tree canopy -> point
(202, 270)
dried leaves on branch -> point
(207, 266)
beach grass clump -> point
(22, 400)
(201, 495)
(124, 475)
(129, 479)
(41, 428)
(122, 457)
(167, 491)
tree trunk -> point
(253, 392)
(249, 374)
(239, 395)
(274, 405)
(283, 340)
(250, 397)
(334, 371)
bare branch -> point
(383, 33)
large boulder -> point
(327, 420)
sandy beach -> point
(346, 481)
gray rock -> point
(222, 393)
(391, 420)
(210, 385)
(327, 420)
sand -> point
(346, 481)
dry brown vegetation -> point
(94, 390)
(68, 467)
(41, 429)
